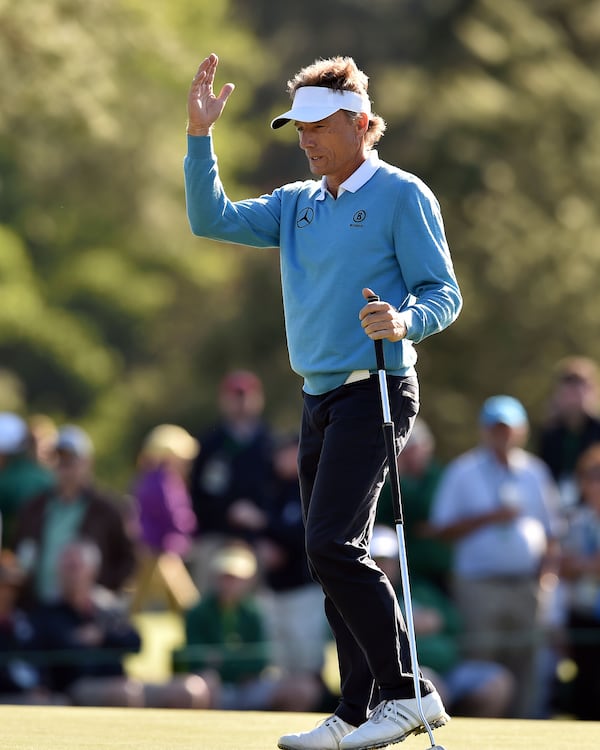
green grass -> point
(59, 728)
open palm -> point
(204, 108)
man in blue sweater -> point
(362, 228)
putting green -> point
(59, 728)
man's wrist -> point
(401, 326)
(197, 130)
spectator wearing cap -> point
(21, 475)
(227, 645)
(165, 518)
(571, 425)
(74, 508)
(497, 504)
(229, 478)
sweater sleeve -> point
(424, 258)
(211, 214)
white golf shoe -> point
(326, 736)
(393, 721)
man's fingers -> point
(211, 68)
(205, 65)
(368, 310)
(375, 321)
(226, 92)
(367, 293)
(206, 70)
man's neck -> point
(501, 455)
(334, 182)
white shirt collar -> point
(357, 179)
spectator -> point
(90, 632)
(580, 571)
(295, 617)
(20, 678)
(225, 635)
(43, 432)
(467, 687)
(165, 515)
(75, 507)
(497, 503)
(22, 476)
(572, 424)
(229, 477)
(420, 472)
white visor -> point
(314, 103)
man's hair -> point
(339, 74)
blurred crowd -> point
(502, 541)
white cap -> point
(314, 103)
(13, 433)
(235, 560)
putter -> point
(390, 446)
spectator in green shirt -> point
(225, 636)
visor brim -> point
(303, 114)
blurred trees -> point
(112, 315)
(105, 295)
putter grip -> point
(394, 474)
(378, 343)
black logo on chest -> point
(359, 218)
(304, 217)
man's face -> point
(502, 438)
(575, 395)
(72, 472)
(333, 146)
(239, 404)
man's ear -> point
(363, 122)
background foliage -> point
(113, 316)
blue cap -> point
(503, 410)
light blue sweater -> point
(388, 235)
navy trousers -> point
(342, 467)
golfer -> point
(361, 228)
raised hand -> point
(204, 108)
